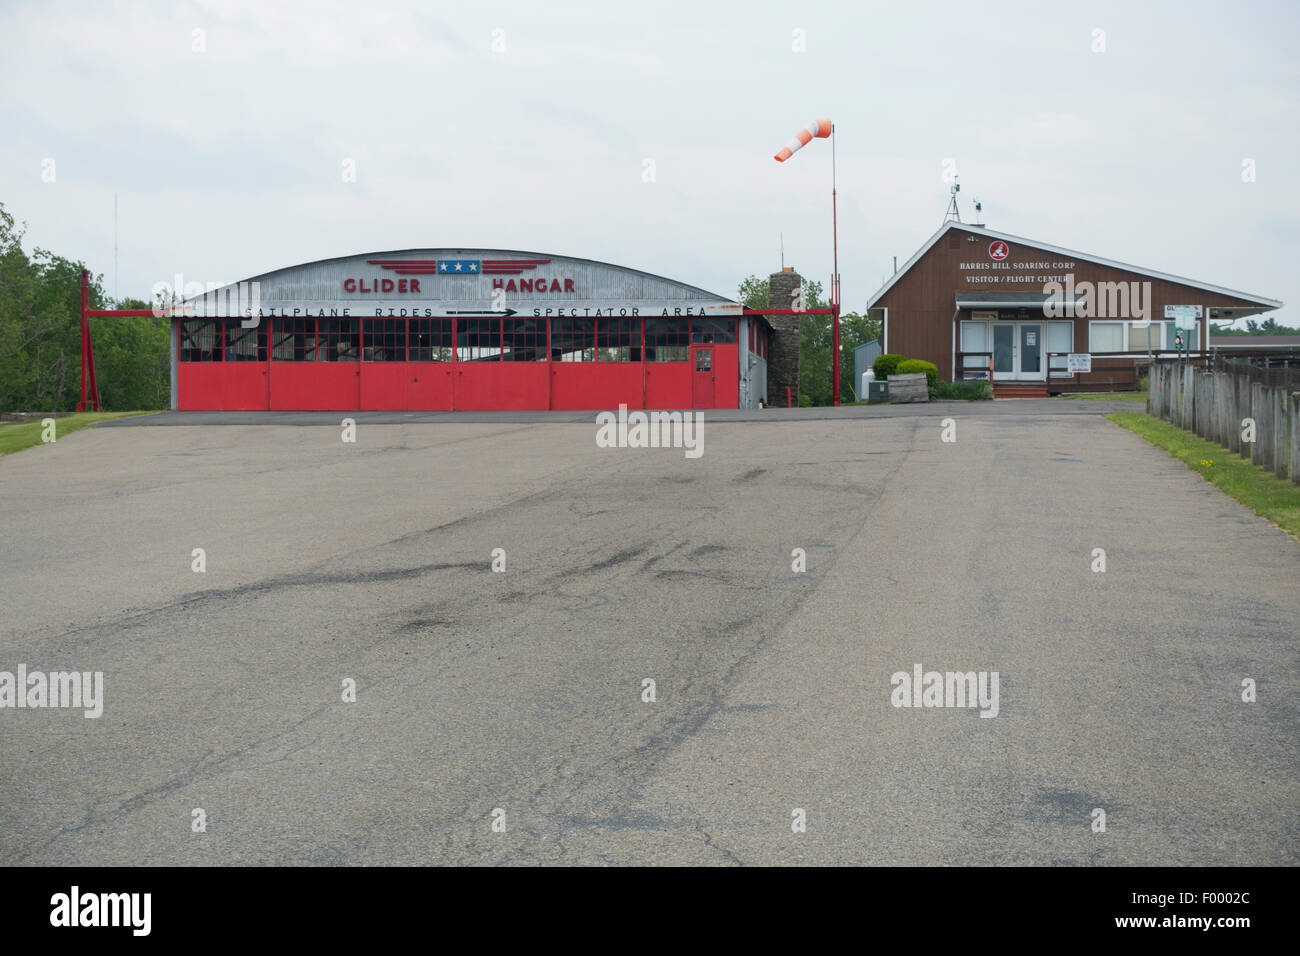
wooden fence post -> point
(1245, 406)
(1231, 420)
(1261, 409)
(1281, 432)
(1295, 437)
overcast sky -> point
(229, 160)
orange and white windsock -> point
(820, 128)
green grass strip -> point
(1273, 498)
(1107, 396)
(20, 435)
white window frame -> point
(961, 345)
(1123, 331)
(1061, 372)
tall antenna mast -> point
(953, 213)
(782, 235)
(116, 300)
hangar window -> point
(620, 340)
(478, 340)
(525, 340)
(385, 340)
(245, 345)
(430, 340)
(338, 340)
(716, 331)
(200, 340)
(573, 340)
(667, 340)
(293, 340)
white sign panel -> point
(1183, 312)
(1079, 362)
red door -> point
(702, 378)
(428, 386)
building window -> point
(975, 338)
(1060, 338)
(245, 345)
(710, 330)
(525, 340)
(667, 340)
(338, 340)
(293, 340)
(385, 340)
(1105, 336)
(573, 340)
(478, 340)
(620, 340)
(200, 340)
(1141, 338)
(430, 340)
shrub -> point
(913, 366)
(886, 365)
(961, 391)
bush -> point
(961, 391)
(913, 366)
(886, 365)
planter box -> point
(908, 388)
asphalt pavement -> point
(519, 696)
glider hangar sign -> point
(464, 282)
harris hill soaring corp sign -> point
(440, 282)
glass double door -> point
(1018, 352)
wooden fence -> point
(1223, 402)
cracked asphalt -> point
(522, 691)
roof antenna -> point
(782, 235)
(953, 213)
(979, 213)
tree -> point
(40, 336)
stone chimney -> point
(783, 360)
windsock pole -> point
(835, 283)
(820, 129)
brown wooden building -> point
(1032, 316)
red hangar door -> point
(702, 378)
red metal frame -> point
(88, 347)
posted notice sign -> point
(1182, 312)
(1079, 362)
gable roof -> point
(1087, 257)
